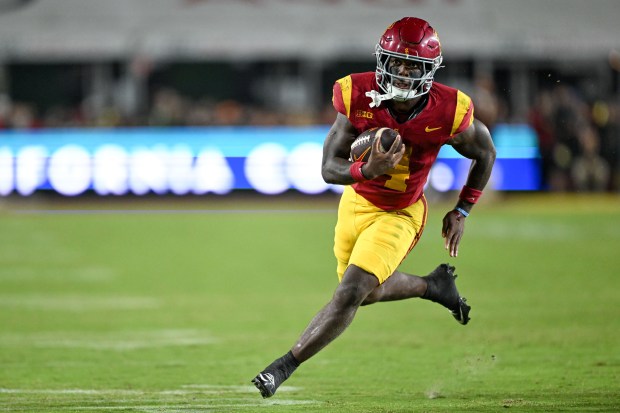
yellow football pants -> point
(373, 239)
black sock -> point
(290, 359)
(430, 292)
(283, 367)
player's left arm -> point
(474, 143)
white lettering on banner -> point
(265, 169)
(110, 170)
(7, 174)
(441, 177)
(212, 173)
(114, 170)
(303, 166)
(180, 169)
(30, 171)
(147, 171)
(69, 170)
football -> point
(362, 145)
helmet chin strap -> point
(399, 98)
(377, 98)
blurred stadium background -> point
(239, 91)
(159, 181)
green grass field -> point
(175, 311)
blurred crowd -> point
(167, 108)
(579, 140)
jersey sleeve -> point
(341, 98)
(463, 114)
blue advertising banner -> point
(269, 160)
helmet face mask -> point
(408, 42)
(404, 87)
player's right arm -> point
(336, 149)
(336, 166)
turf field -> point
(161, 306)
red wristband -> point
(470, 195)
(356, 171)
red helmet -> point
(412, 41)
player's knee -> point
(372, 298)
(355, 287)
(349, 295)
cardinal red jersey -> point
(447, 113)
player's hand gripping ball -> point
(362, 145)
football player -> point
(383, 211)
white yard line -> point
(78, 302)
(115, 340)
(87, 275)
(183, 408)
(191, 389)
(234, 389)
(116, 396)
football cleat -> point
(266, 384)
(268, 380)
(441, 288)
(462, 313)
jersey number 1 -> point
(399, 174)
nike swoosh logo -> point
(357, 158)
(428, 129)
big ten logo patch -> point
(363, 114)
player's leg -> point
(399, 286)
(328, 324)
(336, 316)
(385, 243)
(439, 286)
